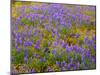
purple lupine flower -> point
(63, 63)
(54, 52)
(46, 50)
(62, 22)
(23, 35)
(49, 69)
(52, 34)
(68, 14)
(85, 17)
(38, 42)
(75, 47)
(69, 66)
(78, 64)
(34, 54)
(57, 63)
(31, 27)
(17, 35)
(87, 53)
(82, 56)
(71, 62)
(18, 49)
(26, 27)
(20, 41)
(57, 33)
(16, 28)
(91, 42)
(42, 17)
(75, 67)
(17, 40)
(63, 44)
(94, 46)
(35, 8)
(18, 21)
(29, 32)
(27, 43)
(79, 15)
(57, 36)
(36, 33)
(54, 30)
(94, 38)
(54, 43)
(48, 43)
(76, 35)
(27, 17)
(71, 47)
(32, 70)
(46, 27)
(67, 49)
(73, 17)
(93, 59)
(41, 60)
(55, 15)
(81, 50)
(56, 23)
(85, 39)
(32, 16)
(41, 35)
(68, 24)
(68, 57)
(25, 57)
(37, 45)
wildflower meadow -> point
(52, 37)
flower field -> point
(51, 37)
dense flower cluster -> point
(52, 37)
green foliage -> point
(18, 57)
(79, 57)
(72, 55)
(80, 40)
(27, 22)
(65, 31)
(45, 43)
